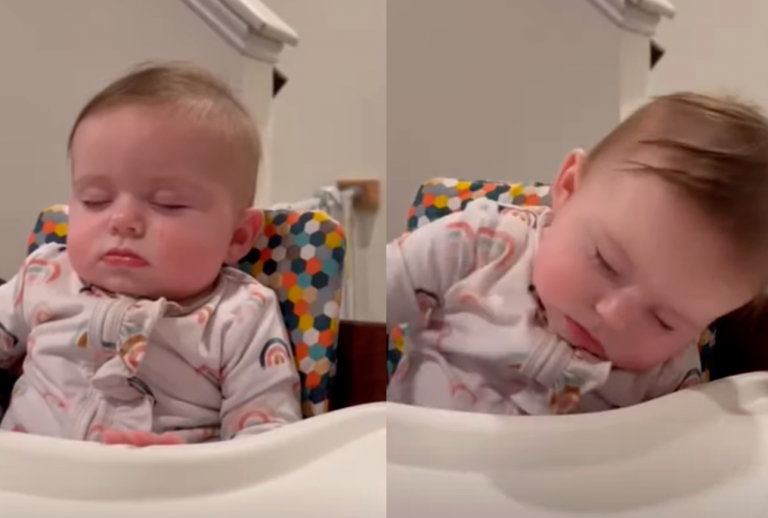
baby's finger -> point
(110, 436)
(140, 438)
(151, 439)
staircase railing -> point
(639, 16)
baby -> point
(596, 303)
(134, 332)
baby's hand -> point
(140, 438)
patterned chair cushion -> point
(300, 255)
(441, 196)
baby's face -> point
(632, 271)
(151, 212)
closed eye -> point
(95, 204)
(663, 324)
(604, 264)
(169, 206)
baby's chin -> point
(139, 290)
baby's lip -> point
(123, 252)
(583, 338)
(124, 257)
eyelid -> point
(164, 198)
(167, 197)
(94, 199)
(94, 205)
(91, 191)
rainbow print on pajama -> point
(275, 352)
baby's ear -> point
(568, 178)
(249, 226)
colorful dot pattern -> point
(299, 255)
(441, 196)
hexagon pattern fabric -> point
(441, 196)
(300, 255)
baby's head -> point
(164, 167)
(658, 231)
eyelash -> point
(94, 204)
(169, 207)
(604, 264)
(663, 324)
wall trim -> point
(249, 26)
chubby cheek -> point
(82, 246)
(636, 359)
(644, 349)
(186, 248)
(562, 282)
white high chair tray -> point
(330, 465)
(697, 453)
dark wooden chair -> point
(361, 369)
(741, 342)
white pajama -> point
(215, 368)
(476, 340)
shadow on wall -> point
(657, 52)
(278, 82)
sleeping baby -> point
(134, 332)
(598, 302)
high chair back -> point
(299, 255)
(441, 196)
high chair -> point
(336, 460)
(441, 196)
(697, 452)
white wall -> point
(496, 89)
(55, 55)
(715, 46)
(329, 121)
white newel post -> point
(259, 35)
(638, 19)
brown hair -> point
(713, 148)
(193, 91)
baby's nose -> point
(127, 223)
(619, 308)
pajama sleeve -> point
(681, 372)
(14, 326)
(260, 382)
(423, 265)
(626, 388)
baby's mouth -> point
(582, 338)
(125, 258)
